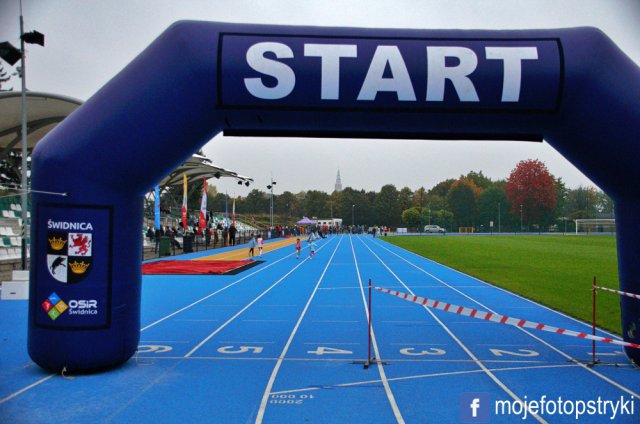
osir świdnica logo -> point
(69, 255)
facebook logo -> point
(474, 408)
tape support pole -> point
(501, 319)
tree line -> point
(531, 199)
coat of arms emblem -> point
(69, 256)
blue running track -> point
(284, 342)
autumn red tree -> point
(531, 185)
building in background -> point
(338, 182)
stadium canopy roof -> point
(45, 111)
(199, 166)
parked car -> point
(434, 229)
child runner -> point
(252, 243)
(312, 248)
(298, 248)
(260, 244)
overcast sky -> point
(89, 41)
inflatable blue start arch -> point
(571, 87)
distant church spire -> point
(338, 182)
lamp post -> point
(10, 55)
(270, 187)
(352, 220)
(520, 217)
(498, 217)
(24, 185)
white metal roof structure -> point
(198, 166)
(46, 110)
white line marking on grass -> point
(569, 357)
(374, 342)
(276, 368)
(458, 341)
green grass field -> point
(556, 271)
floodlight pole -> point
(270, 187)
(24, 183)
(521, 218)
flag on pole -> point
(184, 202)
(203, 206)
(226, 209)
(156, 208)
(233, 213)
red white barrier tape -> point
(635, 296)
(501, 319)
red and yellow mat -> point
(229, 262)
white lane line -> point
(290, 359)
(213, 294)
(339, 288)
(422, 376)
(166, 317)
(458, 341)
(197, 320)
(276, 368)
(337, 306)
(491, 286)
(549, 345)
(29, 387)
(383, 375)
(241, 311)
(505, 345)
(279, 306)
